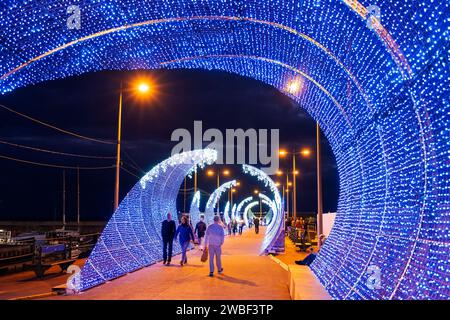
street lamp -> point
(211, 173)
(142, 88)
(305, 152)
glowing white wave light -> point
(214, 199)
(132, 237)
(194, 211)
(233, 211)
(242, 203)
(272, 238)
(226, 213)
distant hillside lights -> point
(235, 140)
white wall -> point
(328, 221)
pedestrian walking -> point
(214, 240)
(200, 229)
(256, 223)
(168, 233)
(185, 233)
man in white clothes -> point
(214, 240)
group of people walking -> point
(213, 235)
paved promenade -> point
(246, 276)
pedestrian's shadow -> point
(236, 280)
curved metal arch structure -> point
(214, 199)
(132, 237)
(194, 211)
(378, 89)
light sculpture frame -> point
(132, 237)
(380, 97)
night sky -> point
(87, 105)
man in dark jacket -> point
(200, 229)
(256, 223)
(168, 229)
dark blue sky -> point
(87, 104)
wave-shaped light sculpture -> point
(274, 236)
(194, 211)
(132, 237)
(226, 213)
(378, 89)
(241, 205)
(214, 199)
(247, 210)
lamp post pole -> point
(319, 187)
(119, 136)
(294, 188)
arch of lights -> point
(132, 237)
(378, 89)
(241, 205)
(214, 199)
(274, 235)
(194, 211)
(272, 206)
(247, 210)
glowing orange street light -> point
(289, 183)
(279, 173)
(255, 191)
(210, 172)
(226, 172)
(282, 153)
(238, 183)
(306, 152)
(143, 87)
(296, 172)
(277, 184)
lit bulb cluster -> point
(378, 89)
(132, 237)
(214, 199)
(194, 211)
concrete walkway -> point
(246, 276)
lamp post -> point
(305, 152)
(319, 187)
(225, 172)
(142, 88)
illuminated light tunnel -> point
(214, 199)
(274, 236)
(132, 237)
(378, 88)
(194, 211)
(247, 210)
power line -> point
(56, 128)
(55, 165)
(129, 172)
(55, 152)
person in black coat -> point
(200, 229)
(168, 229)
(256, 223)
